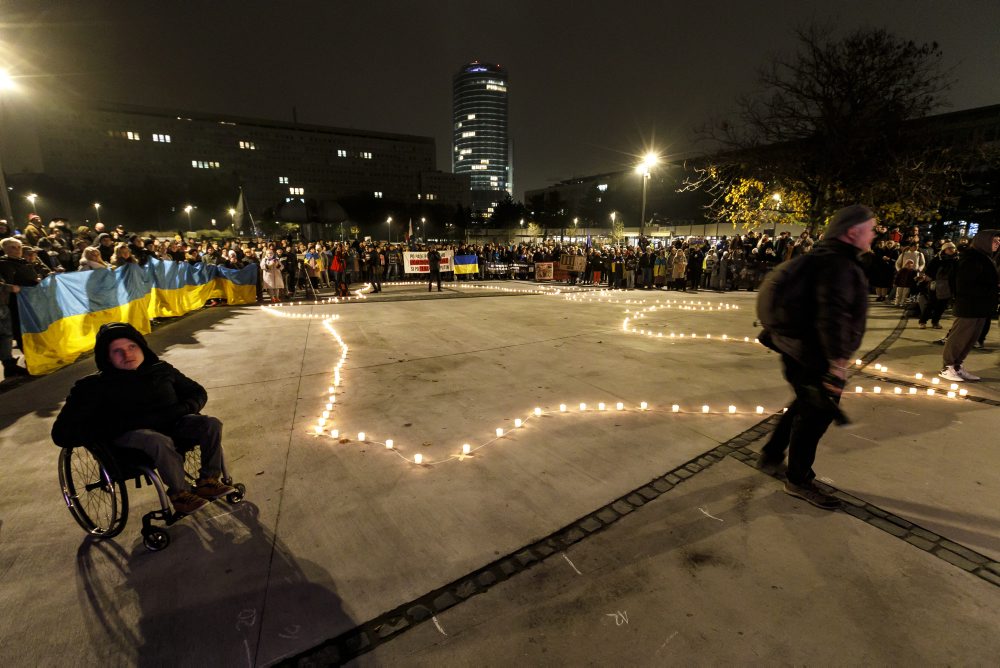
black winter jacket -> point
(109, 403)
(836, 310)
(976, 280)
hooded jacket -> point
(976, 279)
(105, 405)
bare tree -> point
(827, 128)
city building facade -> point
(153, 163)
(481, 144)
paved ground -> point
(637, 536)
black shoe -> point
(809, 492)
(770, 466)
(941, 342)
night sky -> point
(591, 84)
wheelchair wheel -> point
(155, 539)
(238, 495)
(95, 498)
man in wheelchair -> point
(138, 401)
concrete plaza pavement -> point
(336, 532)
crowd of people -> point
(904, 268)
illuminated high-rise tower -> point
(481, 147)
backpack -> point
(786, 300)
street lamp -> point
(388, 227)
(97, 207)
(31, 198)
(643, 169)
(187, 210)
(232, 218)
(6, 84)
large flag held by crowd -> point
(61, 315)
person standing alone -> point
(816, 331)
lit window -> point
(501, 89)
(466, 151)
(134, 136)
(295, 190)
(283, 179)
(603, 187)
(458, 126)
(248, 145)
(194, 163)
(341, 153)
(378, 194)
(469, 133)
(484, 162)
(478, 167)
(366, 155)
(471, 117)
(161, 138)
(431, 196)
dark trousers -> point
(167, 452)
(964, 332)
(434, 276)
(935, 307)
(801, 426)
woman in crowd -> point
(941, 288)
(271, 270)
(882, 268)
(678, 269)
(123, 255)
(91, 259)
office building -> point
(481, 145)
(149, 164)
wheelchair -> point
(94, 487)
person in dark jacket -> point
(815, 352)
(976, 294)
(434, 264)
(940, 271)
(156, 408)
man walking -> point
(816, 335)
(975, 303)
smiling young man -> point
(140, 402)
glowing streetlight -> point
(187, 210)
(6, 84)
(388, 228)
(31, 198)
(644, 170)
(97, 208)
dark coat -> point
(835, 310)
(109, 403)
(975, 284)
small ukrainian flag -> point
(466, 264)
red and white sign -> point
(417, 263)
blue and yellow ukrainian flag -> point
(61, 315)
(466, 264)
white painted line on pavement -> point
(672, 636)
(708, 514)
(571, 564)
(438, 625)
(862, 438)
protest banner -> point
(543, 271)
(417, 263)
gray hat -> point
(847, 218)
